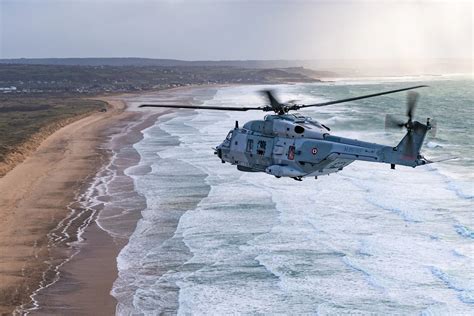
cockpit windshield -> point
(310, 121)
(229, 136)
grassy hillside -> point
(97, 79)
(26, 121)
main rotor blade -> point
(273, 100)
(360, 97)
(220, 108)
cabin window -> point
(249, 145)
(291, 153)
(261, 146)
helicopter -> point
(287, 144)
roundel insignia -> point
(314, 151)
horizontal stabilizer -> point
(441, 159)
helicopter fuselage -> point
(289, 145)
(296, 146)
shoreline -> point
(36, 195)
(86, 277)
(60, 240)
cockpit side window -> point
(227, 140)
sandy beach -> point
(54, 258)
(35, 198)
(85, 280)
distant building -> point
(7, 89)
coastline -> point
(86, 277)
(91, 270)
(53, 253)
(36, 197)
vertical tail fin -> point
(409, 148)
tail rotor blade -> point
(412, 98)
(391, 122)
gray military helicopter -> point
(291, 145)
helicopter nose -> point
(218, 151)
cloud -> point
(196, 30)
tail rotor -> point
(392, 122)
(412, 141)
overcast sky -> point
(203, 30)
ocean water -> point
(368, 240)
